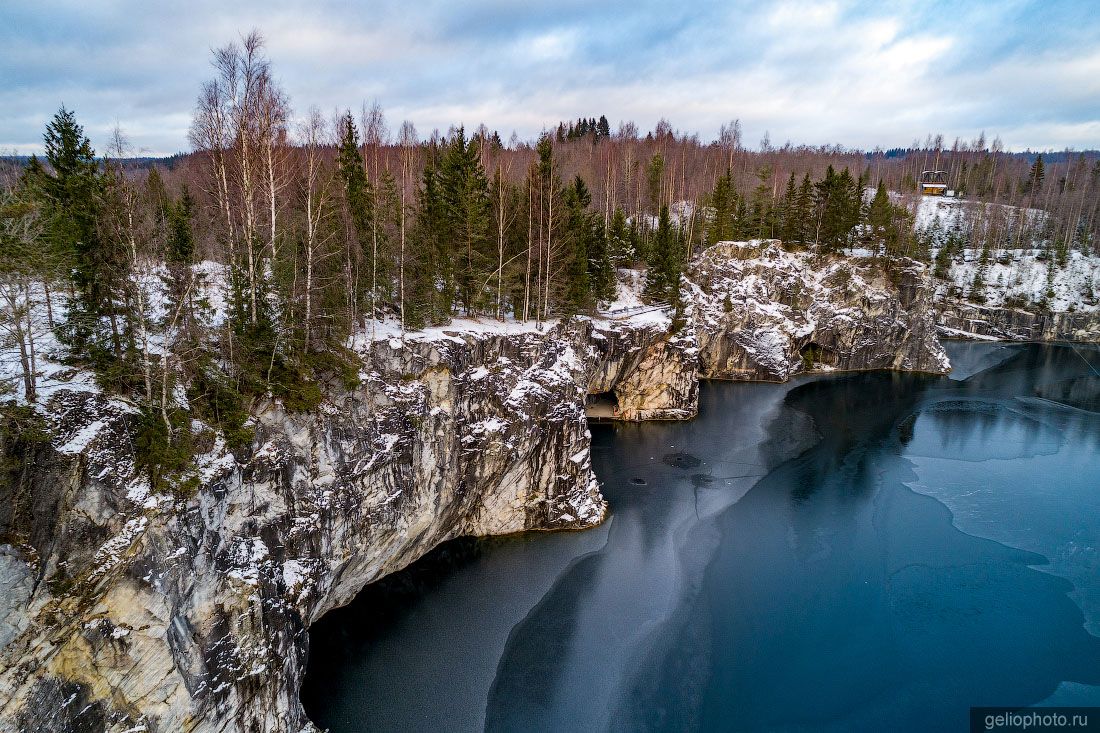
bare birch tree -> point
(408, 141)
(22, 263)
(318, 199)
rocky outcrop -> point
(763, 313)
(650, 373)
(959, 319)
(125, 609)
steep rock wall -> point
(959, 319)
(763, 313)
(125, 609)
(652, 373)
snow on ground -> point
(1023, 279)
(930, 209)
(52, 375)
(628, 290)
(389, 329)
(950, 212)
(680, 213)
(1013, 277)
(627, 307)
(214, 290)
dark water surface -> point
(872, 551)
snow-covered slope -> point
(1024, 292)
(941, 214)
(1026, 279)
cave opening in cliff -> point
(814, 353)
(603, 405)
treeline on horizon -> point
(323, 225)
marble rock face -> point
(961, 320)
(123, 609)
(762, 313)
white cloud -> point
(812, 72)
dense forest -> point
(239, 272)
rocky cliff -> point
(123, 609)
(960, 319)
(1021, 295)
(126, 610)
(763, 313)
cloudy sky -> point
(862, 74)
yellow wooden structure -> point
(933, 183)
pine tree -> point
(1038, 172)
(601, 272)
(742, 219)
(804, 212)
(761, 213)
(620, 240)
(430, 290)
(654, 175)
(156, 193)
(181, 281)
(603, 128)
(850, 196)
(550, 249)
(578, 288)
(359, 212)
(788, 211)
(838, 212)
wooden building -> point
(933, 183)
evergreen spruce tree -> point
(654, 174)
(182, 283)
(387, 210)
(666, 263)
(467, 217)
(879, 217)
(788, 212)
(620, 240)
(430, 286)
(977, 287)
(858, 202)
(803, 216)
(742, 219)
(603, 128)
(358, 206)
(1038, 172)
(578, 289)
(850, 195)
(762, 212)
(724, 202)
(73, 194)
(837, 210)
(601, 272)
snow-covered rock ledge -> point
(763, 313)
